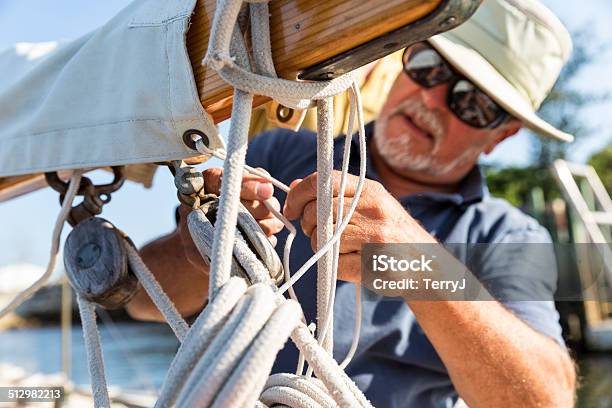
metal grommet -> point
(283, 113)
(189, 142)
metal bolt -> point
(448, 21)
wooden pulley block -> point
(96, 263)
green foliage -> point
(515, 184)
(602, 162)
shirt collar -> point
(471, 189)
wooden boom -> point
(303, 33)
(311, 39)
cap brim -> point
(486, 77)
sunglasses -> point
(428, 68)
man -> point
(460, 95)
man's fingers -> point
(256, 189)
(349, 261)
(294, 183)
(271, 226)
(304, 191)
(349, 267)
(259, 210)
(273, 240)
(309, 218)
(253, 187)
(309, 215)
(212, 179)
(352, 239)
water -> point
(137, 356)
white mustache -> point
(424, 118)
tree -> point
(602, 162)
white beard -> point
(398, 151)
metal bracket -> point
(95, 196)
(448, 15)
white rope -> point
(230, 192)
(244, 263)
(325, 298)
(342, 225)
(296, 391)
(156, 293)
(325, 215)
(93, 349)
(356, 329)
(73, 187)
(222, 356)
(356, 109)
(206, 326)
(342, 389)
(222, 155)
(218, 58)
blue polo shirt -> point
(395, 364)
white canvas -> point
(124, 93)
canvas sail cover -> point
(122, 94)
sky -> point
(26, 222)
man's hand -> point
(378, 218)
(176, 262)
(253, 193)
(255, 190)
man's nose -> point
(435, 98)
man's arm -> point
(493, 357)
(178, 267)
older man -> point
(460, 95)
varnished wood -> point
(303, 33)
(11, 187)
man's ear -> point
(508, 129)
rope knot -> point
(218, 59)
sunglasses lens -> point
(426, 67)
(473, 106)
